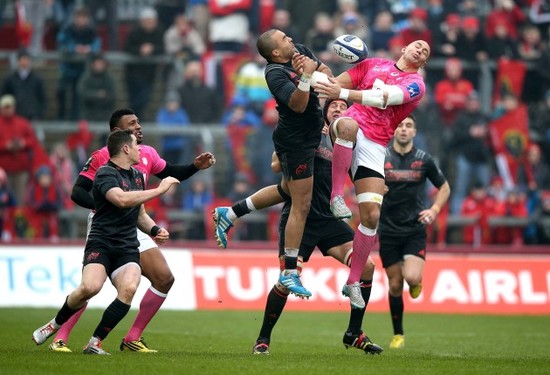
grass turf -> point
(220, 342)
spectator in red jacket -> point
(452, 92)
(17, 144)
(43, 204)
(480, 205)
(507, 13)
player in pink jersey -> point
(384, 92)
(153, 264)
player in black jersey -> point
(289, 74)
(112, 245)
(332, 236)
(404, 217)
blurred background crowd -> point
(190, 70)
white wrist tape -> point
(344, 93)
(373, 98)
(305, 82)
(318, 77)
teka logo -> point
(92, 256)
(301, 169)
(388, 165)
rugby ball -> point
(350, 49)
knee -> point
(371, 216)
(413, 279)
(87, 290)
(347, 129)
(163, 283)
(395, 287)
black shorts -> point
(111, 259)
(297, 165)
(324, 234)
(394, 248)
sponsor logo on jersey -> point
(301, 169)
(413, 89)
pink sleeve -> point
(157, 163)
(98, 159)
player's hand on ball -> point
(204, 160)
(328, 90)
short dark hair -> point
(117, 139)
(265, 45)
(117, 115)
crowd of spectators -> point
(202, 56)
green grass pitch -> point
(220, 342)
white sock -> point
(231, 214)
(249, 204)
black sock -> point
(356, 315)
(291, 263)
(274, 306)
(396, 311)
(114, 313)
(64, 313)
(241, 208)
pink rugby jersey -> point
(150, 162)
(378, 125)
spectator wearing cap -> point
(471, 147)
(75, 43)
(501, 44)
(353, 23)
(505, 14)
(27, 87)
(16, 147)
(177, 148)
(447, 43)
(97, 90)
(144, 42)
(471, 44)
(452, 91)
(418, 27)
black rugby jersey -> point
(405, 177)
(113, 226)
(294, 131)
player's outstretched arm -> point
(183, 172)
(126, 199)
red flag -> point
(510, 140)
(510, 77)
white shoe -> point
(94, 347)
(338, 208)
(43, 333)
(353, 292)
